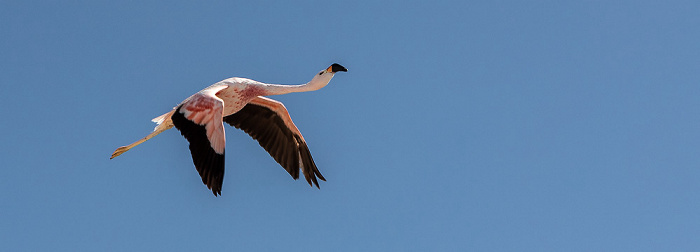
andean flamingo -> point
(240, 102)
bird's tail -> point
(162, 118)
(164, 122)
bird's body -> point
(240, 102)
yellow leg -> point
(164, 124)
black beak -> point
(337, 68)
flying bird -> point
(241, 103)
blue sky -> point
(460, 126)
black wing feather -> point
(287, 148)
(209, 164)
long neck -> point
(316, 83)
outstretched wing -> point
(199, 120)
(268, 122)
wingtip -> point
(216, 191)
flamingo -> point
(241, 103)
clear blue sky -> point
(460, 126)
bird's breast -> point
(235, 97)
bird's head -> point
(333, 69)
(336, 68)
(324, 76)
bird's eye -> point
(320, 73)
